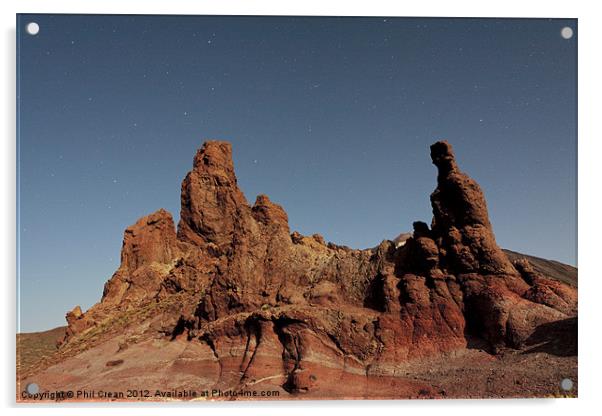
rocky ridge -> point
(261, 303)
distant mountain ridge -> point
(551, 268)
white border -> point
(590, 136)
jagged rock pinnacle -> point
(215, 157)
(443, 157)
(211, 201)
(460, 219)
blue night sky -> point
(330, 117)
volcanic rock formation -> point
(263, 303)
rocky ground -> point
(181, 365)
(34, 346)
(231, 301)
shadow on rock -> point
(557, 338)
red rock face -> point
(149, 249)
(461, 221)
(212, 203)
(265, 303)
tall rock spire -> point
(211, 200)
(461, 221)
